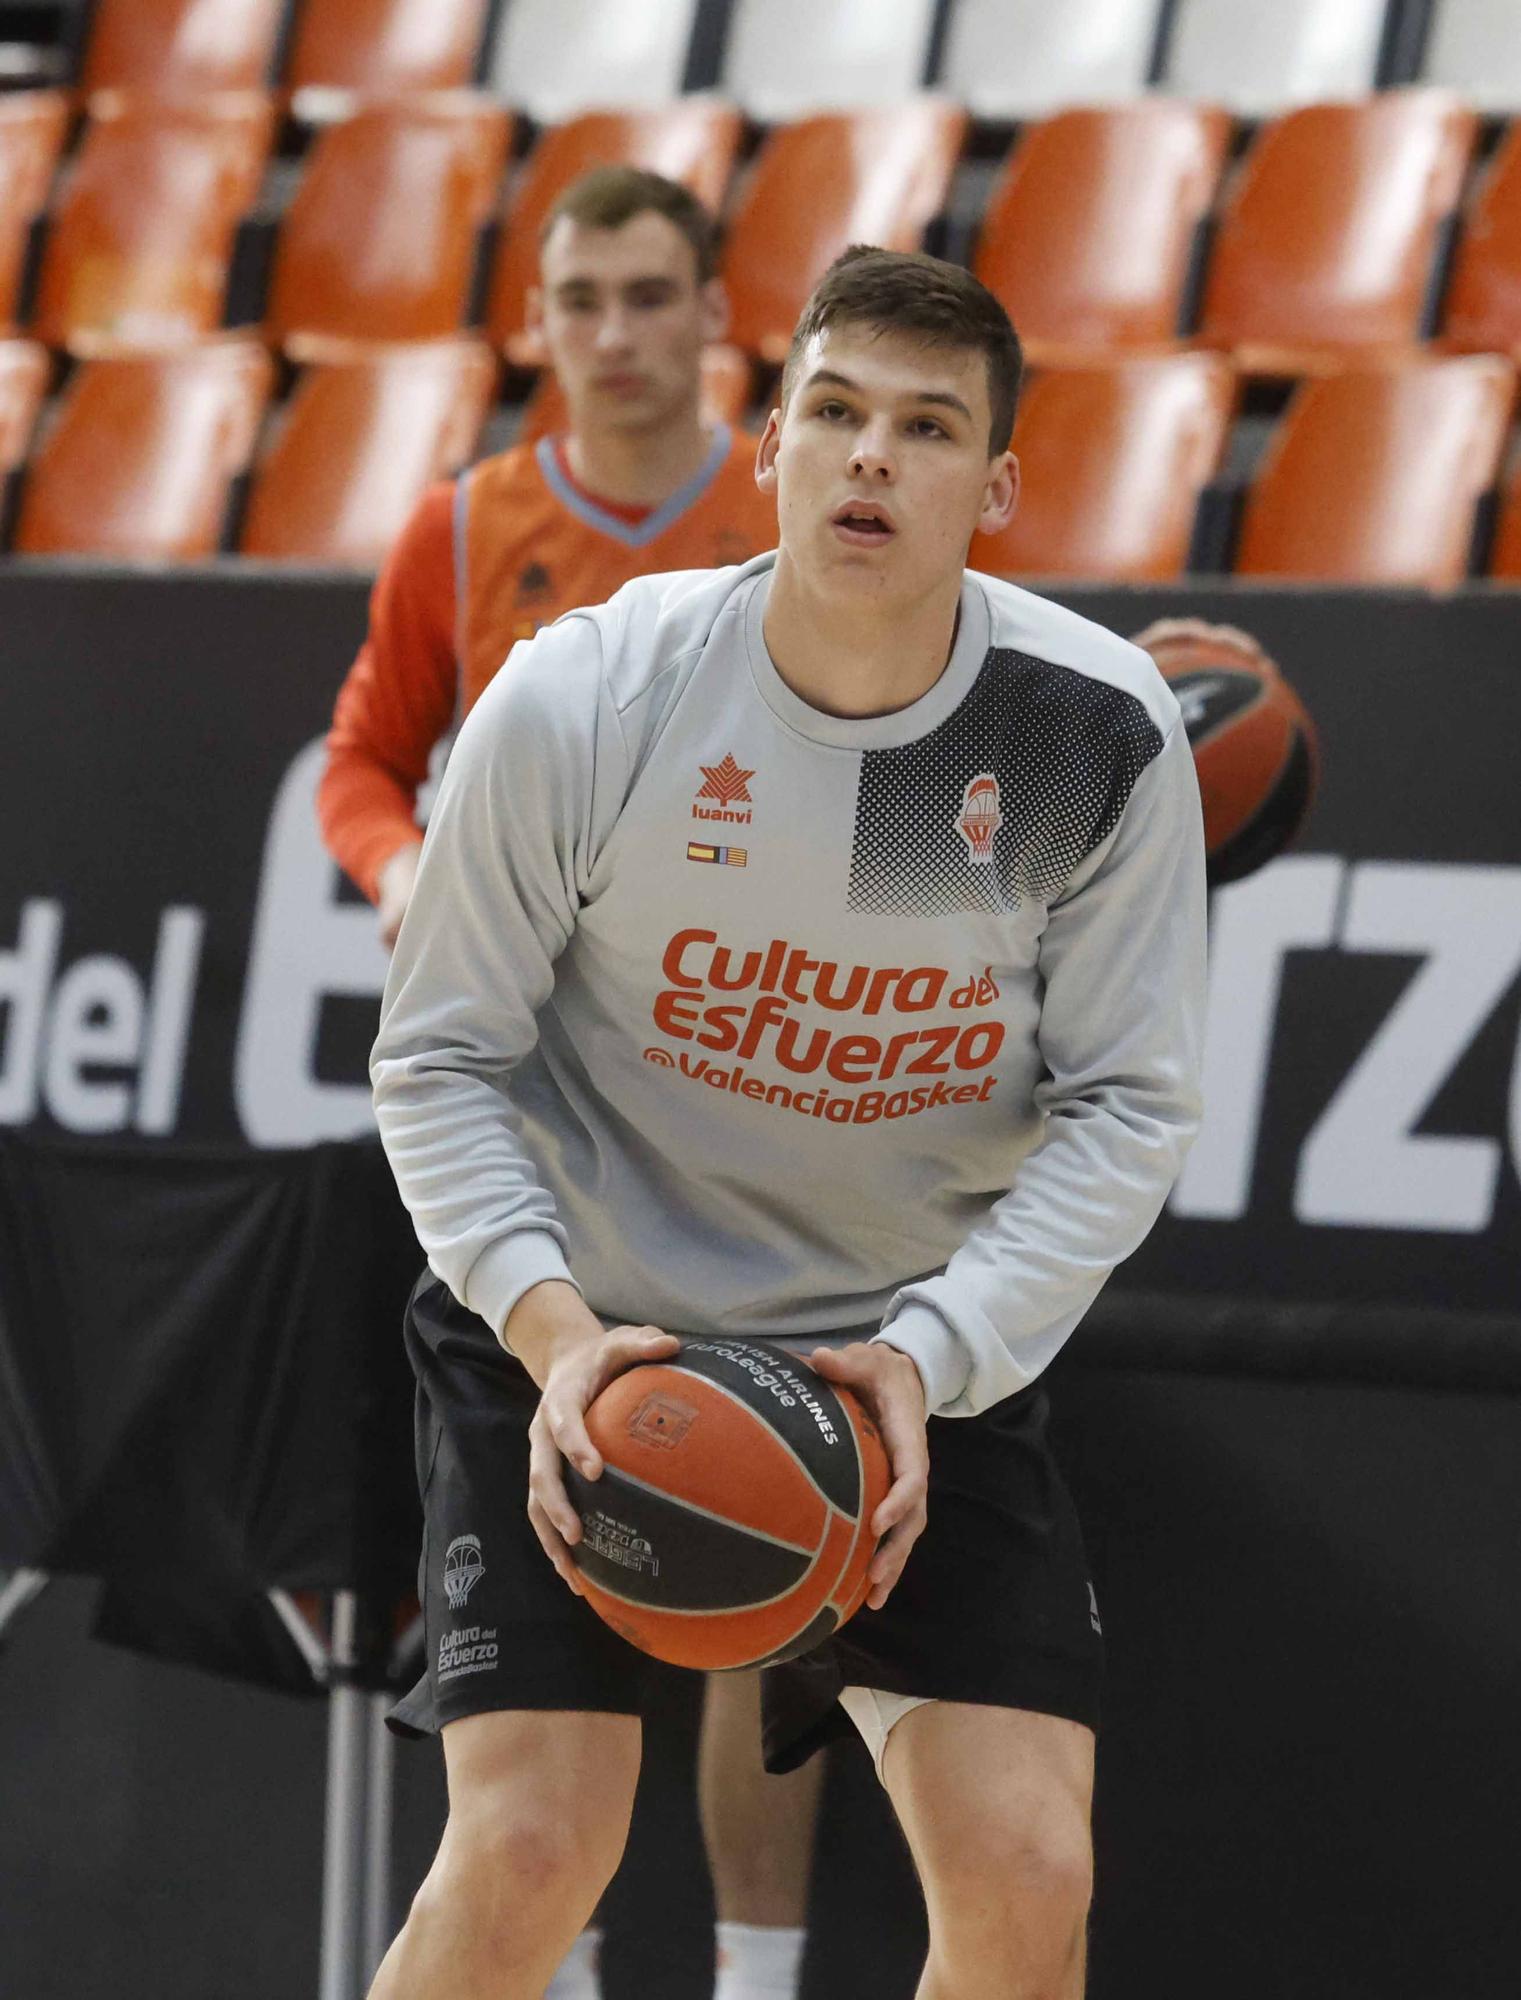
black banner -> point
(179, 959)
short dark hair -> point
(906, 292)
(607, 197)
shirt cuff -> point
(506, 1269)
(944, 1365)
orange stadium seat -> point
(1374, 475)
(1484, 298)
(365, 431)
(725, 389)
(23, 382)
(32, 125)
(181, 47)
(380, 239)
(1505, 558)
(1088, 237)
(848, 177)
(144, 451)
(693, 140)
(1113, 460)
(1329, 234)
(375, 47)
(141, 239)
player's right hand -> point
(577, 1363)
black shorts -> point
(994, 1605)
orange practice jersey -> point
(484, 562)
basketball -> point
(731, 1526)
(1253, 741)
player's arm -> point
(396, 702)
(511, 841)
(1122, 965)
(530, 793)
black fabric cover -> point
(202, 1387)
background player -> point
(560, 929)
(637, 483)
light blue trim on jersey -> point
(636, 534)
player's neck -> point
(846, 658)
(639, 468)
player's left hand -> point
(890, 1386)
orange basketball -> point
(731, 1526)
(1254, 744)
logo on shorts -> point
(661, 1421)
(981, 815)
(463, 1569)
(1093, 1617)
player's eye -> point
(928, 427)
(832, 410)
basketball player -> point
(637, 483)
(952, 1001)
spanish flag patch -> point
(726, 857)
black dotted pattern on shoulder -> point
(1066, 750)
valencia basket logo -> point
(463, 1569)
(981, 816)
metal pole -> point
(17, 1589)
(347, 1779)
(378, 1928)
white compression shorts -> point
(876, 1715)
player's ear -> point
(1000, 496)
(765, 453)
(713, 310)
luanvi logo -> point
(727, 785)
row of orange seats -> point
(1372, 476)
(1326, 237)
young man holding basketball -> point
(987, 806)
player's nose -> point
(872, 456)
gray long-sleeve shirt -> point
(755, 1020)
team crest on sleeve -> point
(981, 815)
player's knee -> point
(522, 1853)
(1029, 1872)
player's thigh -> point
(540, 1791)
(991, 1796)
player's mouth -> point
(863, 524)
(622, 382)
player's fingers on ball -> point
(908, 1495)
(546, 1487)
(567, 1428)
(888, 1563)
(553, 1545)
(633, 1344)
